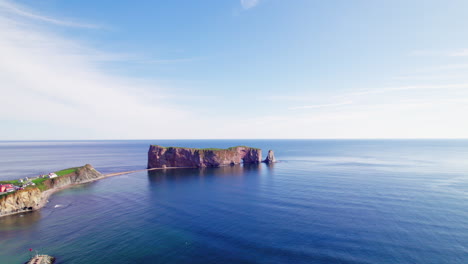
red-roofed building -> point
(4, 187)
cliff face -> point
(20, 201)
(160, 157)
(83, 174)
(33, 198)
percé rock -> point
(162, 157)
(32, 198)
(270, 157)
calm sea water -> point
(327, 201)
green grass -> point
(39, 181)
(66, 171)
(3, 195)
(39, 184)
(210, 149)
(11, 181)
(231, 148)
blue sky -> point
(233, 69)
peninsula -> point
(162, 157)
(33, 193)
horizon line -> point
(12, 140)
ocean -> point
(326, 201)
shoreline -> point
(47, 193)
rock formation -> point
(161, 157)
(270, 157)
(83, 174)
(33, 198)
(20, 201)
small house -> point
(6, 187)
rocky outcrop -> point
(83, 174)
(33, 198)
(20, 201)
(161, 157)
(270, 157)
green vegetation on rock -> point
(14, 182)
(66, 171)
(39, 182)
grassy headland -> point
(39, 182)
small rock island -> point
(165, 157)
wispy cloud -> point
(426, 52)
(247, 4)
(57, 81)
(411, 87)
(170, 61)
(316, 106)
(15, 9)
(459, 53)
(440, 53)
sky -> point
(233, 69)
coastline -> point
(47, 193)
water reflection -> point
(270, 167)
(156, 176)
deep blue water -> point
(327, 201)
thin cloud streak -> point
(440, 53)
(411, 87)
(320, 106)
(460, 53)
(21, 11)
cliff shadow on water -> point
(11, 223)
(176, 175)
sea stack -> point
(270, 157)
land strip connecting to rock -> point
(128, 172)
(35, 196)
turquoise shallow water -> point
(327, 201)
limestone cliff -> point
(20, 201)
(33, 198)
(160, 157)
